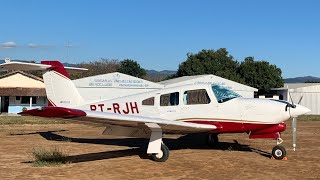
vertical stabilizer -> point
(59, 88)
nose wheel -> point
(279, 152)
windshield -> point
(223, 94)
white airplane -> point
(205, 108)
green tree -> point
(260, 74)
(217, 62)
(132, 68)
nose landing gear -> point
(279, 152)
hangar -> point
(112, 85)
(305, 94)
(243, 90)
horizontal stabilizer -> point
(54, 112)
(23, 66)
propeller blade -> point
(294, 132)
(291, 98)
(300, 99)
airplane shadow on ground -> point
(138, 146)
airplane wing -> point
(24, 66)
(118, 120)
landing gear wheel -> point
(279, 152)
(212, 140)
(162, 156)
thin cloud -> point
(69, 45)
(9, 44)
(32, 45)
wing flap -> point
(105, 118)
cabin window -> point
(198, 96)
(171, 99)
(148, 102)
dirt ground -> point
(94, 156)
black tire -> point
(163, 156)
(279, 152)
(212, 140)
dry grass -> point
(48, 157)
(8, 120)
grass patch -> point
(48, 157)
(309, 118)
(7, 120)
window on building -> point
(199, 96)
(171, 99)
(26, 100)
(18, 98)
(148, 102)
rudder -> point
(59, 88)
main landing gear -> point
(162, 156)
(158, 151)
(212, 140)
(279, 152)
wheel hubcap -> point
(159, 155)
(278, 153)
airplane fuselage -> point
(200, 104)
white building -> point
(305, 94)
(112, 85)
(243, 90)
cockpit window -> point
(223, 94)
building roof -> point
(22, 92)
(180, 79)
(23, 73)
(296, 85)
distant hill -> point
(164, 72)
(302, 79)
(156, 76)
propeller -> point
(295, 111)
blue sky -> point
(159, 34)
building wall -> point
(308, 99)
(19, 80)
(16, 105)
